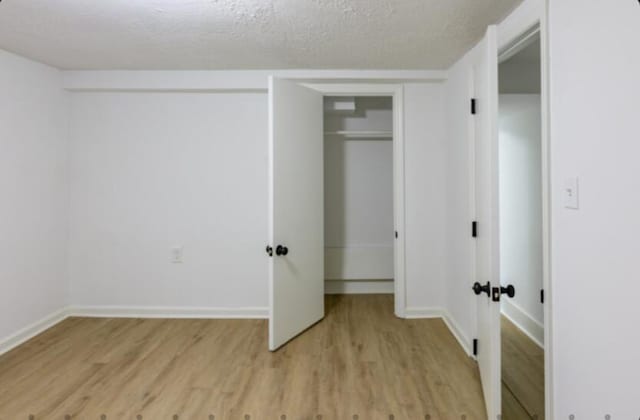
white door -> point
(296, 278)
(486, 205)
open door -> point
(296, 273)
(487, 264)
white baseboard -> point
(30, 331)
(532, 328)
(183, 312)
(463, 340)
(418, 313)
(168, 312)
(350, 287)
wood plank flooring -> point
(511, 408)
(522, 375)
(360, 362)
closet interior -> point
(359, 197)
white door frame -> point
(506, 43)
(395, 91)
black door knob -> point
(282, 250)
(499, 291)
(509, 290)
(478, 288)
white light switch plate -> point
(570, 193)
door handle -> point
(479, 289)
(502, 290)
(282, 250)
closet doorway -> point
(359, 129)
(358, 195)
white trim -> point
(399, 207)
(452, 325)
(547, 281)
(396, 91)
(32, 330)
(458, 333)
(525, 322)
(270, 211)
(356, 287)
(519, 22)
(38, 327)
(361, 246)
(232, 80)
(416, 312)
(360, 135)
(104, 311)
(527, 39)
(168, 312)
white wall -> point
(425, 195)
(520, 143)
(152, 171)
(33, 186)
(123, 177)
(358, 182)
(595, 126)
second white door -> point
(486, 207)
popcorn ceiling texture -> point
(246, 34)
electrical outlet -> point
(571, 193)
(177, 254)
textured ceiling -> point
(246, 34)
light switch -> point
(570, 192)
(176, 255)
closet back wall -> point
(359, 193)
(154, 171)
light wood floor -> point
(522, 375)
(360, 362)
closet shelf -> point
(361, 134)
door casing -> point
(395, 91)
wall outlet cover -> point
(177, 254)
(570, 193)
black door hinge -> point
(474, 229)
(396, 234)
(541, 295)
(473, 106)
(475, 346)
(269, 250)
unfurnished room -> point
(319, 210)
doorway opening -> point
(521, 228)
(359, 225)
(296, 196)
